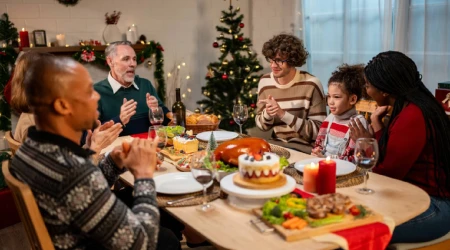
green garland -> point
(89, 55)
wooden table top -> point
(230, 228)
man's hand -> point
(141, 160)
(127, 110)
(103, 135)
(357, 130)
(272, 107)
(152, 102)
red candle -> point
(326, 178)
(310, 177)
(24, 40)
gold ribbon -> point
(447, 100)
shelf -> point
(73, 49)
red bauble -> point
(215, 44)
(142, 59)
(253, 105)
(241, 39)
(241, 25)
(232, 122)
(224, 76)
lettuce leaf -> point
(225, 167)
(283, 162)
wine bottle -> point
(179, 110)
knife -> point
(187, 198)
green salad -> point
(173, 131)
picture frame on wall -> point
(40, 39)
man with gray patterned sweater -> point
(73, 195)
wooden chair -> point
(13, 144)
(366, 108)
(437, 244)
(29, 212)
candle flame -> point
(23, 29)
(328, 158)
(313, 165)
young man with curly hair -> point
(290, 101)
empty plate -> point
(342, 167)
(177, 183)
(219, 135)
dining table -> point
(228, 227)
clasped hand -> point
(272, 107)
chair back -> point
(366, 108)
(29, 212)
(13, 144)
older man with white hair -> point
(125, 97)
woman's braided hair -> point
(394, 73)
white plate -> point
(219, 135)
(342, 167)
(228, 186)
(177, 183)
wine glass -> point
(203, 169)
(240, 115)
(366, 157)
(159, 134)
(156, 116)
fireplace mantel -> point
(64, 51)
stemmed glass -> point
(204, 171)
(240, 115)
(158, 133)
(366, 157)
(156, 116)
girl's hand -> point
(357, 130)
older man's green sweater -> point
(110, 103)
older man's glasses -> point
(278, 62)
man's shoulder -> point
(306, 78)
(142, 82)
(102, 85)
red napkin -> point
(142, 136)
(368, 237)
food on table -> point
(172, 131)
(259, 168)
(292, 212)
(185, 144)
(201, 119)
(228, 152)
(126, 147)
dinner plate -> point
(342, 167)
(177, 183)
(219, 135)
(228, 186)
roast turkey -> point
(229, 151)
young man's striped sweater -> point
(304, 103)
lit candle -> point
(24, 40)
(31, 45)
(310, 177)
(61, 40)
(326, 178)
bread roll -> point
(214, 119)
(191, 120)
(204, 120)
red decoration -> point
(252, 105)
(241, 25)
(224, 76)
(326, 178)
(2, 53)
(241, 39)
(160, 47)
(232, 122)
(215, 44)
(142, 58)
(24, 40)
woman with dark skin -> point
(414, 145)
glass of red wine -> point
(366, 157)
(203, 170)
(156, 116)
(158, 133)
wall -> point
(185, 28)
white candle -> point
(61, 40)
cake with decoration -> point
(260, 168)
(185, 143)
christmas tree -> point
(212, 143)
(232, 79)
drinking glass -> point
(203, 169)
(159, 134)
(366, 157)
(240, 115)
(156, 116)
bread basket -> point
(198, 128)
(202, 122)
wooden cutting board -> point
(308, 232)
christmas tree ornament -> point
(244, 46)
(252, 105)
(225, 62)
(210, 73)
(231, 72)
(245, 81)
(221, 35)
(247, 68)
(252, 115)
(224, 76)
(250, 52)
(149, 64)
(241, 39)
(236, 36)
(222, 19)
(215, 44)
(241, 25)
(222, 49)
(232, 122)
(230, 31)
(254, 80)
(238, 8)
(197, 111)
(224, 46)
(257, 67)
